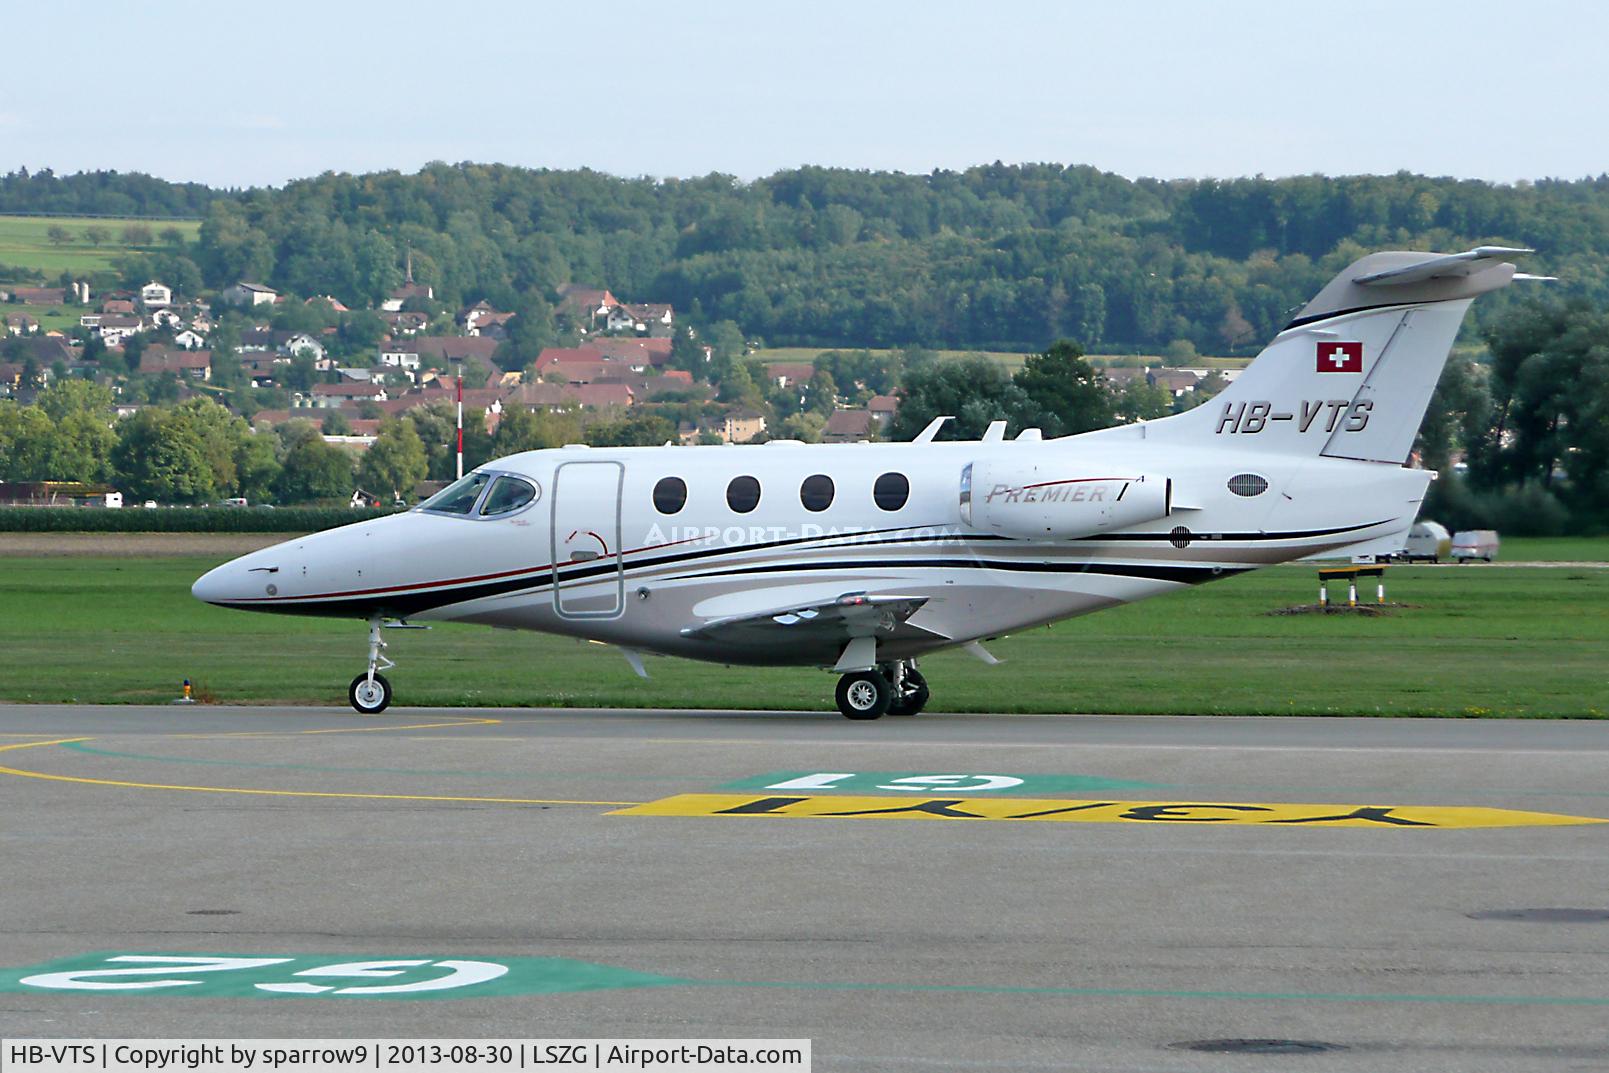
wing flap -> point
(851, 615)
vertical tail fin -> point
(1352, 375)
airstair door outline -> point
(589, 578)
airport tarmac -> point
(949, 892)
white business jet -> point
(865, 557)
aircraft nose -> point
(214, 586)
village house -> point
(1176, 382)
(410, 289)
(20, 324)
(848, 426)
(571, 398)
(330, 396)
(112, 329)
(298, 345)
(882, 409)
(195, 364)
(405, 323)
(483, 319)
(585, 303)
(156, 295)
(649, 318)
(189, 339)
(401, 355)
(741, 426)
(454, 348)
(639, 351)
(254, 340)
(249, 294)
(118, 305)
(786, 374)
(39, 296)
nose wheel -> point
(370, 695)
(370, 692)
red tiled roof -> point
(848, 424)
(556, 355)
(452, 347)
(161, 359)
(792, 371)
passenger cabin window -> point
(743, 494)
(507, 494)
(458, 497)
(816, 492)
(891, 491)
(670, 495)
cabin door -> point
(589, 579)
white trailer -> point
(1474, 544)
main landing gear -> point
(896, 688)
(370, 692)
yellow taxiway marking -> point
(339, 730)
(276, 793)
(1094, 811)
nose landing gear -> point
(370, 693)
(896, 688)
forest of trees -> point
(998, 256)
(992, 257)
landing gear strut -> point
(896, 688)
(370, 693)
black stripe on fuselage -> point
(1186, 575)
(401, 605)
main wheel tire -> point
(864, 695)
(369, 698)
(915, 700)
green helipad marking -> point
(926, 782)
(342, 976)
(329, 976)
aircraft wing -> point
(852, 615)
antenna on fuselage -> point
(933, 426)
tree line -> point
(996, 256)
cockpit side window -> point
(458, 497)
(508, 494)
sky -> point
(245, 95)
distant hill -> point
(994, 257)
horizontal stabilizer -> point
(1446, 266)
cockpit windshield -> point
(458, 497)
(508, 494)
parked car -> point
(1427, 543)
(1474, 544)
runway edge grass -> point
(1478, 641)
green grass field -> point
(25, 242)
(1480, 641)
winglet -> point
(933, 426)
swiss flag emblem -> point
(1340, 357)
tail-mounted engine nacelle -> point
(1040, 500)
